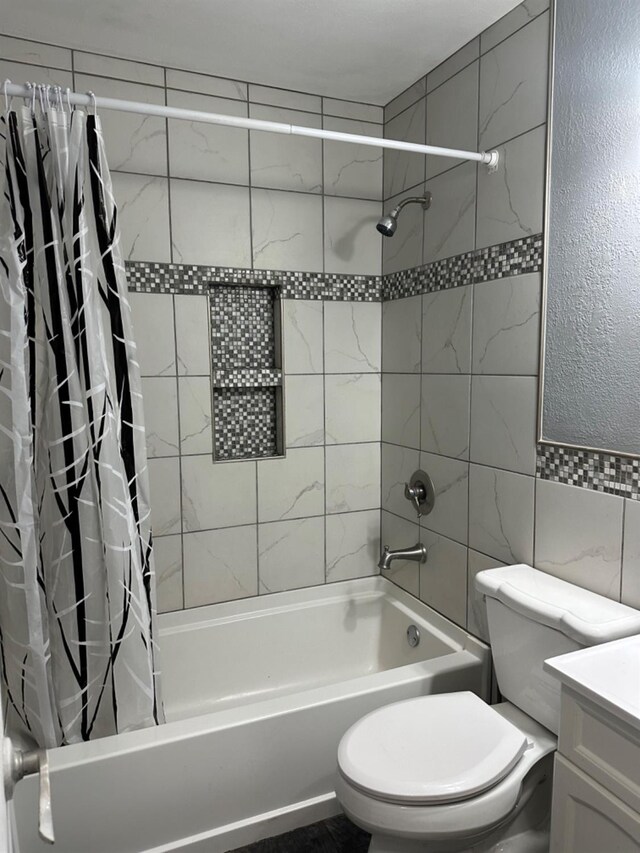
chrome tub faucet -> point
(418, 553)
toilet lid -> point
(434, 749)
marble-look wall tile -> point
(352, 170)
(450, 222)
(195, 414)
(631, 555)
(303, 336)
(193, 338)
(510, 200)
(476, 605)
(405, 99)
(200, 235)
(445, 415)
(152, 317)
(167, 552)
(443, 578)
(352, 408)
(404, 250)
(133, 143)
(35, 53)
(287, 230)
(452, 111)
(398, 464)
(352, 337)
(514, 20)
(351, 241)
(353, 477)
(450, 478)
(217, 495)
(220, 565)
(124, 69)
(160, 398)
(404, 169)
(20, 72)
(208, 152)
(506, 325)
(336, 107)
(446, 331)
(513, 84)
(285, 162)
(400, 533)
(401, 335)
(290, 554)
(579, 536)
(292, 487)
(284, 98)
(304, 410)
(189, 81)
(503, 422)
(164, 489)
(455, 63)
(143, 216)
(501, 514)
(352, 545)
(401, 409)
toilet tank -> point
(533, 616)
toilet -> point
(447, 773)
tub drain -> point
(413, 636)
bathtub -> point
(257, 695)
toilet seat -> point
(431, 750)
(463, 818)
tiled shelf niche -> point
(246, 357)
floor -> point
(334, 835)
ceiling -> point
(364, 50)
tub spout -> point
(418, 553)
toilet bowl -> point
(444, 773)
(448, 773)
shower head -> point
(388, 224)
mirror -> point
(590, 360)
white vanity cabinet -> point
(596, 784)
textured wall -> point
(592, 361)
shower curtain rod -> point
(489, 158)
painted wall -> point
(206, 195)
(460, 365)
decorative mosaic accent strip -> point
(601, 472)
(505, 259)
(148, 277)
(244, 423)
(247, 378)
(242, 327)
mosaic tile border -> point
(505, 259)
(600, 472)
(250, 378)
(156, 277)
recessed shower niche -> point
(246, 361)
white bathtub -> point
(257, 695)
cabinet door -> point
(586, 818)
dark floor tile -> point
(334, 835)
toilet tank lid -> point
(584, 616)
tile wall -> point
(196, 194)
(460, 365)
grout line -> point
(622, 547)
(506, 38)
(175, 345)
(168, 177)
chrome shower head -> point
(388, 224)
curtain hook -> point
(32, 89)
(93, 102)
(7, 99)
(41, 95)
(69, 100)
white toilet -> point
(447, 772)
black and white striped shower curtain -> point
(78, 656)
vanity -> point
(596, 787)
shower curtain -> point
(78, 656)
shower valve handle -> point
(17, 765)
